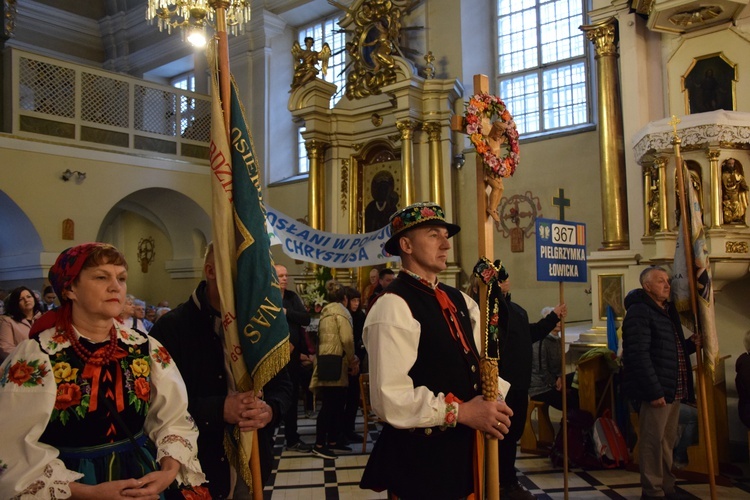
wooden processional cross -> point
(490, 475)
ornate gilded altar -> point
(716, 149)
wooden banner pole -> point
(689, 259)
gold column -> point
(660, 163)
(611, 137)
(406, 127)
(316, 200)
(437, 189)
(716, 211)
(647, 173)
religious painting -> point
(611, 294)
(381, 185)
(709, 84)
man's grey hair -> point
(647, 272)
(139, 302)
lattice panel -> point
(104, 100)
(155, 111)
(196, 119)
(46, 88)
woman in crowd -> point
(22, 309)
(334, 364)
(352, 395)
(103, 407)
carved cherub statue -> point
(305, 69)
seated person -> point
(546, 370)
(742, 382)
(687, 434)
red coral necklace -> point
(99, 358)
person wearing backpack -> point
(657, 376)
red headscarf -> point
(66, 269)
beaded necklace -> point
(94, 358)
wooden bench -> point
(537, 442)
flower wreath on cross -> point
(487, 136)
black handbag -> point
(329, 367)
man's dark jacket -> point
(188, 334)
(649, 349)
(516, 338)
(297, 316)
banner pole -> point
(564, 391)
(688, 249)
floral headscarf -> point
(66, 269)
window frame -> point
(317, 30)
(539, 70)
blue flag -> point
(611, 329)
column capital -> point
(648, 169)
(433, 130)
(603, 35)
(661, 161)
(406, 127)
(316, 147)
(713, 154)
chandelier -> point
(194, 15)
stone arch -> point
(20, 246)
(184, 222)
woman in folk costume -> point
(90, 408)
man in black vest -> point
(421, 337)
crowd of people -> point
(20, 307)
(107, 413)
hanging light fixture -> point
(194, 15)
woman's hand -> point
(145, 487)
(155, 482)
(558, 384)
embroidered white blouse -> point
(29, 381)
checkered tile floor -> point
(303, 476)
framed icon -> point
(709, 84)
(611, 293)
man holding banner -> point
(255, 330)
(192, 333)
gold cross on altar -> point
(674, 121)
